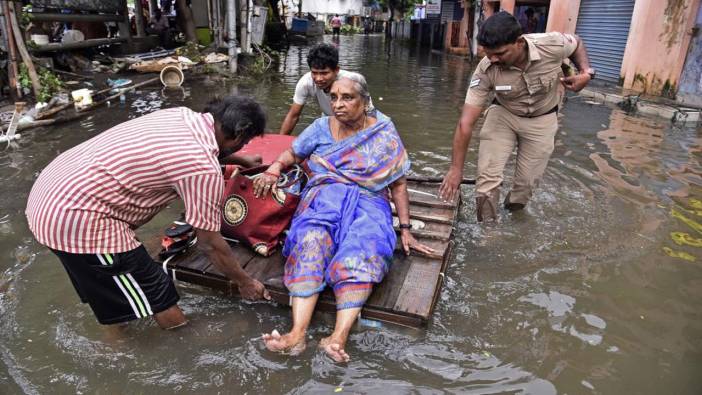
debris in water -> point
(681, 238)
(689, 222)
(697, 204)
(679, 254)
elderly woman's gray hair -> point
(361, 87)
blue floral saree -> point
(342, 234)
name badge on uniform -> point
(502, 88)
(475, 83)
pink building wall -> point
(563, 16)
(658, 41)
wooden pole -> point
(139, 18)
(13, 72)
(26, 59)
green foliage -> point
(24, 20)
(50, 83)
(402, 7)
(258, 66)
(263, 59)
(191, 51)
(269, 51)
(350, 29)
(24, 80)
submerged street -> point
(595, 288)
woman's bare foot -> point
(289, 343)
(334, 347)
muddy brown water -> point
(595, 288)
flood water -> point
(596, 288)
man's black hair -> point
(498, 30)
(322, 56)
(240, 117)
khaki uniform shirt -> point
(529, 92)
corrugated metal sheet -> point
(447, 11)
(604, 27)
(111, 6)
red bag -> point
(259, 222)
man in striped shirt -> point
(86, 204)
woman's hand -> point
(409, 243)
(265, 183)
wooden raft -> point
(406, 296)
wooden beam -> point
(50, 17)
(95, 42)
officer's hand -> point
(253, 289)
(451, 183)
(576, 82)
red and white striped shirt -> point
(90, 198)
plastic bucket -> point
(172, 76)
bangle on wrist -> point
(405, 226)
(271, 174)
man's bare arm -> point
(461, 140)
(291, 118)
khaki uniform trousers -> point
(535, 141)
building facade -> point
(650, 46)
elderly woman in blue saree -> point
(342, 234)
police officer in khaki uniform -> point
(523, 73)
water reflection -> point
(570, 296)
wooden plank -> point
(265, 269)
(243, 254)
(438, 246)
(433, 203)
(281, 296)
(427, 217)
(417, 293)
(425, 234)
(407, 296)
(432, 227)
(442, 275)
(446, 213)
(385, 294)
(369, 311)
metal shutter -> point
(447, 11)
(604, 27)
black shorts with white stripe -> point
(122, 286)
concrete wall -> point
(658, 42)
(563, 16)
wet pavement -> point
(595, 288)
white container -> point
(172, 76)
(40, 39)
(82, 97)
(72, 36)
